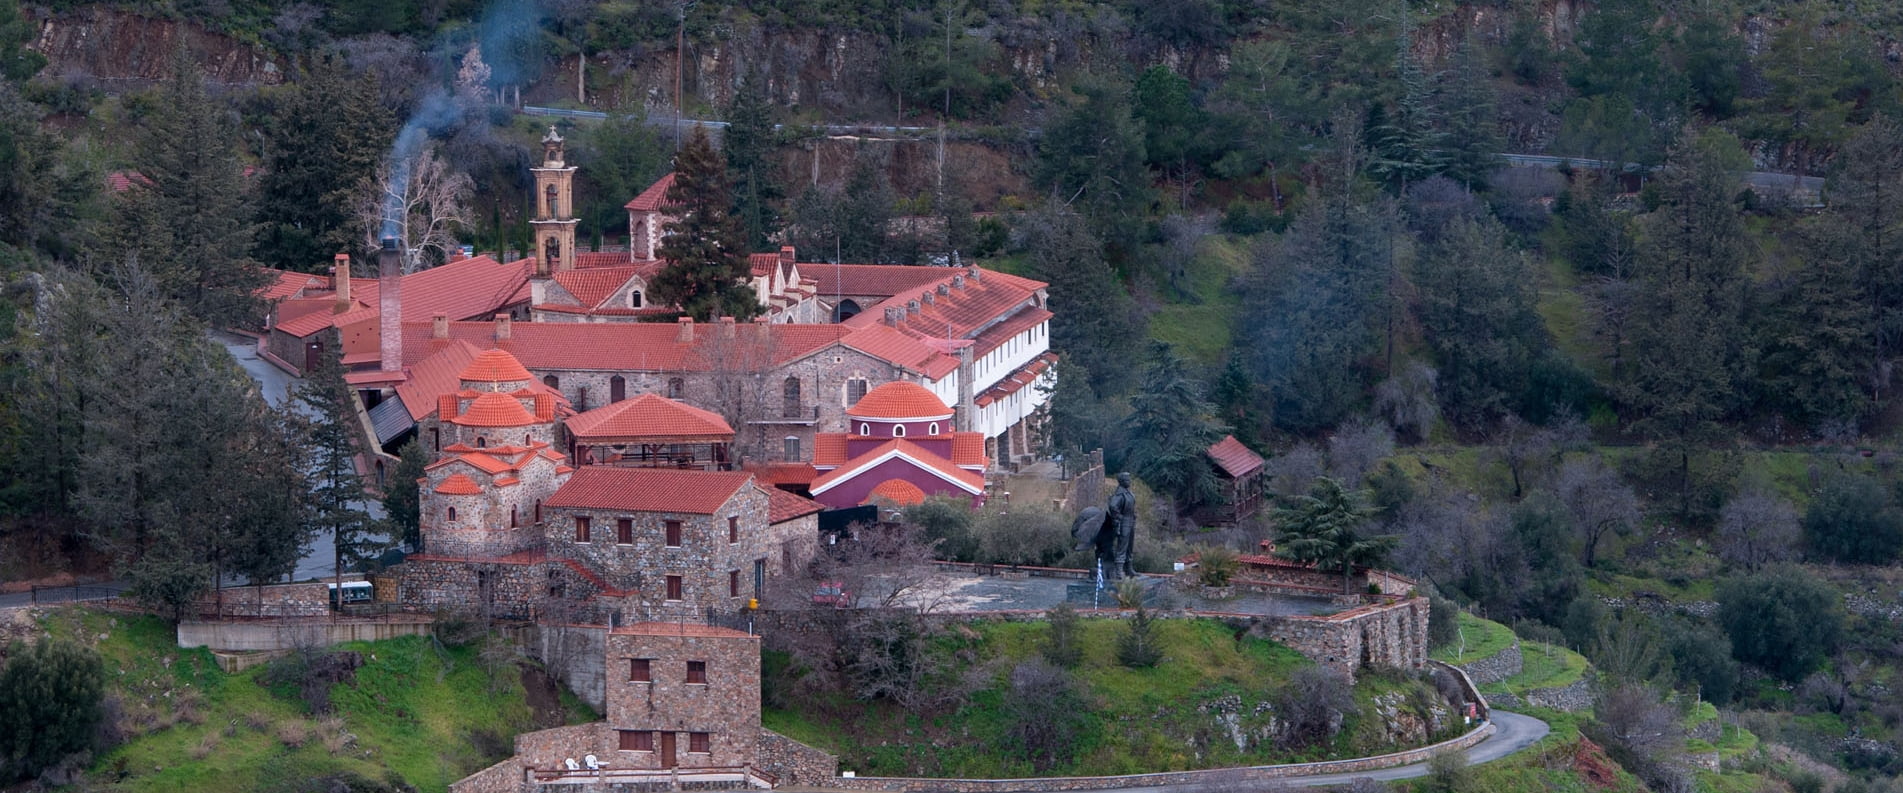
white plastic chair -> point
(592, 763)
(571, 764)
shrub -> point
(1062, 648)
(1130, 593)
(1443, 627)
(1785, 621)
(1852, 520)
(947, 522)
(1215, 565)
(294, 733)
(1313, 704)
(50, 696)
(1046, 714)
(1137, 648)
(1033, 536)
(1448, 773)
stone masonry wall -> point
(278, 600)
(1378, 635)
(500, 590)
(1497, 667)
(1572, 698)
(546, 749)
(726, 706)
(576, 654)
(503, 777)
(704, 559)
(795, 763)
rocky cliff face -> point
(120, 49)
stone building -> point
(683, 696)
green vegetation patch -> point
(1478, 638)
(1543, 666)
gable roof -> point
(633, 346)
(437, 374)
(864, 280)
(650, 416)
(1016, 381)
(592, 285)
(653, 199)
(783, 506)
(899, 448)
(649, 489)
(1233, 458)
(466, 289)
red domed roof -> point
(495, 366)
(898, 491)
(493, 409)
(459, 485)
(898, 401)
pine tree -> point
(1327, 527)
(1091, 157)
(862, 211)
(1862, 229)
(1137, 648)
(402, 501)
(189, 223)
(326, 140)
(50, 695)
(705, 248)
(1467, 119)
(337, 492)
(1097, 325)
(626, 157)
(748, 144)
(1477, 311)
(1406, 142)
(17, 63)
(1171, 428)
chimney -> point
(762, 330)
(686, 335)
(726, 327)
(892, 315)
(911, 307)
(929, 297)
(439, 326)
(958, 281)
(503, 332)
(390, 306)
(943, 290)
(340, 282)
(786, 254)
(977, 275)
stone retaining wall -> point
(1380, 635)
(1218, 776)
(795, 763)
(504, 777)
(1497, 667)
(1573, 697)
(1467, 687)
(282, 635)
(276, 600)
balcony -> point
(791, 414)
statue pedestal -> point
(1085, 593)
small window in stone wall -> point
(673, 587)
(636, 740)
(624, 531)
(481, 443)
(733, 530)
(452, 514)
(512, 518)
(697, 672)
(581, 528)
(673, 534)
(700, 743)
(733, 584)
(640, 670)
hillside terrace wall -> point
(795, 763)
(1497, 667)
(277, 600)
(1375, 635)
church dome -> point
(495, 366)
(898, 491)
(900, 401)
(493, 409)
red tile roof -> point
(631, 346)
(471, 288)
(968, 449)
(585, 259)
(288, 284)
(435, 375)
(653, 417)
(459, 485)
(829, 449)
(649, 489)
(493, 409)
(687, 629)
(971, 481)
(1024, 376)
(868, 280)
(494, 366)
(899, 400)
(655, 197)
(1234, 458)
(786, 473)
(592, 285)
(993, 337)
(898, 491)
(889, 344)
(783, 506)
(315, 321)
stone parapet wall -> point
(1468, 689)
(1574, 697)
(505, 777)
(795, 763)
(277, 600)
(576, 654)
(1392, 634)
(1241, 778)
(1497, 667)
(547, 749)
(507, 591)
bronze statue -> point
(1123, 520)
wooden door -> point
(313, 356)
(667, 749)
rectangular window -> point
(639, 671)
(697, 672)
(733, 584)
(581, 528)
(733, 530)
(673, 587)
(673, 534)
(700, 743)
(624, 531)
(637, 740)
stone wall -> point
(1497, 667)
(724, 704)
(1468, 690)
(284, 634)
(546, 749)
(575, 654)
(504, 777)
(1237, 778)
(1572, 698)
(277, 600)
(1392, 634)
(499, 589)
(795, 763)
(704, 560)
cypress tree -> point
(337, 492)
(325, 141)
(402, 502)
(705, 248)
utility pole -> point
(680, 50)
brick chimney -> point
(340, 283)
(687, 330)
(726, 327)
(786, 254)
(390, 306)
(439, 326)
(503, 331)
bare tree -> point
(1642, 731)
(738, 358)
(1312, 705)
(422, 203)
(1406, 400)
(1757, 527)
(1356, 447)
(1045, 712)
(1599, 501)
(1293, 472)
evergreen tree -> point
(402, 500)
(1477, 312)
(17, 63)
(1327, 527)
(277, 500)
(336, 492)
(749, 144)
(705, 247)
(1860, 235)
(50, 696)
(1097, 326)
(1786, 622)
(1091, 158)
(1138, 648)
(1467, 115)
(1252, 113)
(1406, 142)
(326, 142)
(624, 156)
(48, 196)
(1172, 123)
(1714, 62)
(1237, 401)
(862, 211)
(1171, 428)
(189, 223)
(1690, 351)
(1818, 335)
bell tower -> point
(554, 216)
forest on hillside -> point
(1641, 411)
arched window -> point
(554, 210)
(617, 389)
(452, 514)
(675, 387)
(932, 430)
(855, 391)
(865, 429)
(634, 299)
(527, 441)
(552, 382)
(481, 442)
(898, 430)
(512, 523)
(552, 251)
(790, 398)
